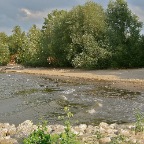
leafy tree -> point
(54, 38)
(3, 38)
(16, 42)
(4, 51)
(71, 36)
(123, 32)
(31, 50)
(88, 35)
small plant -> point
(68, 137)
(98, 135)
(139, 125)
(118, 140)
(40, 136)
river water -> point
(37, 97)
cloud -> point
(27, 17)
(27, 14)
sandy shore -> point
(130, 79)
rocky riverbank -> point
(102, 134)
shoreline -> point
(121, 79)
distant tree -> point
(3, 38)
(123, 32)
(31, 49)
(16, 42)
(4, 54)
(4, 51)
(54, 39)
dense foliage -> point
(31, 48)
(124, 34)
(87, 36)
(4, 50)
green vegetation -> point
(40, 136)
(87, 36)
(124, 35)
(4, 50)
(119, 140)
(139, 125)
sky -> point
(25, 13)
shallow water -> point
(37, 97)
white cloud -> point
(26, 11)
(32, 15)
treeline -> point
(85, 37)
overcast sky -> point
(25, 13)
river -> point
(38, 97)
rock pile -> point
(87, 134)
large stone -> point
(90, 130)
(82, 127)
(113, 126)
(74, 131)
(104, 125)
(3, 132)
(8, 140)
(25, 128)
(105, 140)
(124, 132)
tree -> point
(31, 49)
(4, 51)
(3, 38)
(71, 36)
(88, 48)
(16, 42)
(55, 38)
(123, 32)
